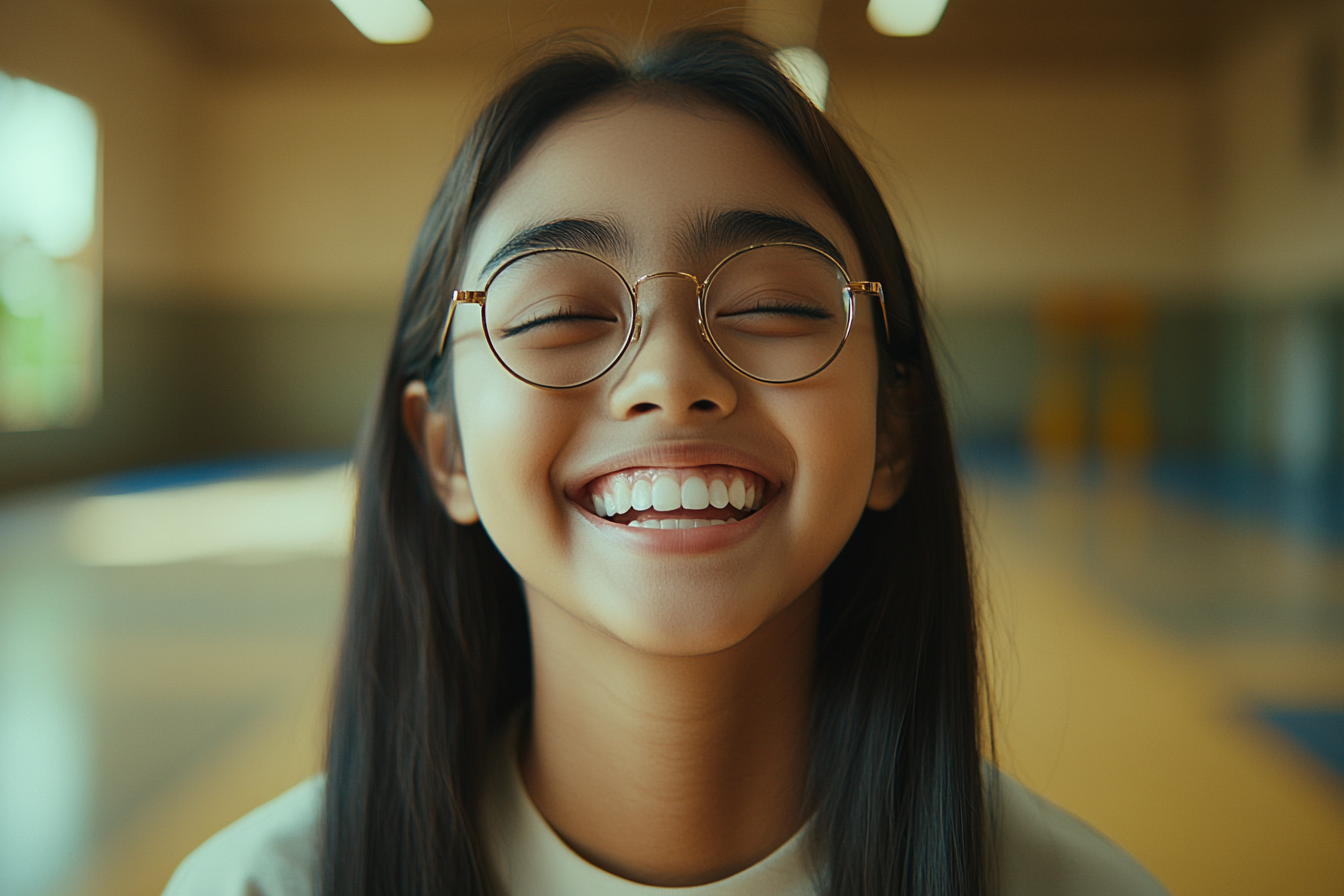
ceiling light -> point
(905, 18)
(807, 70)
(388, 21)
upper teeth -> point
(662, 491)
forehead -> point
(651, 167)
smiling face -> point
(741, 493)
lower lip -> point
(676, 541)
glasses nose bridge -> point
(674, 275)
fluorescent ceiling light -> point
(388, 21)
(905, 18)
(807, 70)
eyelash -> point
(784, 308)
(552, 317)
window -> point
(50, 291)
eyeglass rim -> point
(702, 289)
(477, 297)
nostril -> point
(644, 407)
(704, 404)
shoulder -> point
(1041, 850)
(271, 851)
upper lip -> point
(670, 455)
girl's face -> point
(653, 178)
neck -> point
(670, 770)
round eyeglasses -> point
(560, 318)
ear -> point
(430, 431)
(891, 467)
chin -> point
(674, 623)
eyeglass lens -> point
(561, 318)
(557, 318)
(779, 313)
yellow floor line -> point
(1130, 730)
(263, 761)
(1134, 731)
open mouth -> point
(677, 498)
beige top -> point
(1041, 850)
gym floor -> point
(1169, 671)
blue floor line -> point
(1319, 732)
(1312, 507)
(214, 470)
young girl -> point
(660, 577)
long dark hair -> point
(436, 655)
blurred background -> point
(1128, 222)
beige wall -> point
(1281, 234)
(1015, 183)
(312, 184)
(1010, 184)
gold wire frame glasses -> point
(559, 318)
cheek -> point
(508, 461)
(839, 443)
(836, 468)
(832, 429)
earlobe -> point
(889, 481)
(430, 431)
(891, 467)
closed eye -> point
(797, 309)
(563, 316)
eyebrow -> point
(739, 228)
(591, 234)
(734, 229)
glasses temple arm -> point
(874, 289)
(471, 297)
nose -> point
(674, 373)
